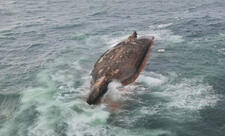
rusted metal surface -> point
(123, 62)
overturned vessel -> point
(123, 62)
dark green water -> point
(48, 48)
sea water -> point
(49, 47)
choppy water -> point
(48, 48)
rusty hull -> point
(123, 62)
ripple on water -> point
(50, 110)
(55, 104)
(164, 100)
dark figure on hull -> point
(123, 62)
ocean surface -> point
(49, 47)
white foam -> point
(88, 123)
(117, 92)
(159, 32)
(222, 34)
(149, 110)
(164, 25)
(189, 94)
(166, 36)
(55, 107)
(152, 79)
(221, 51)
(112, 41)
(175, 39)
(161, 50)
(78, 123)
